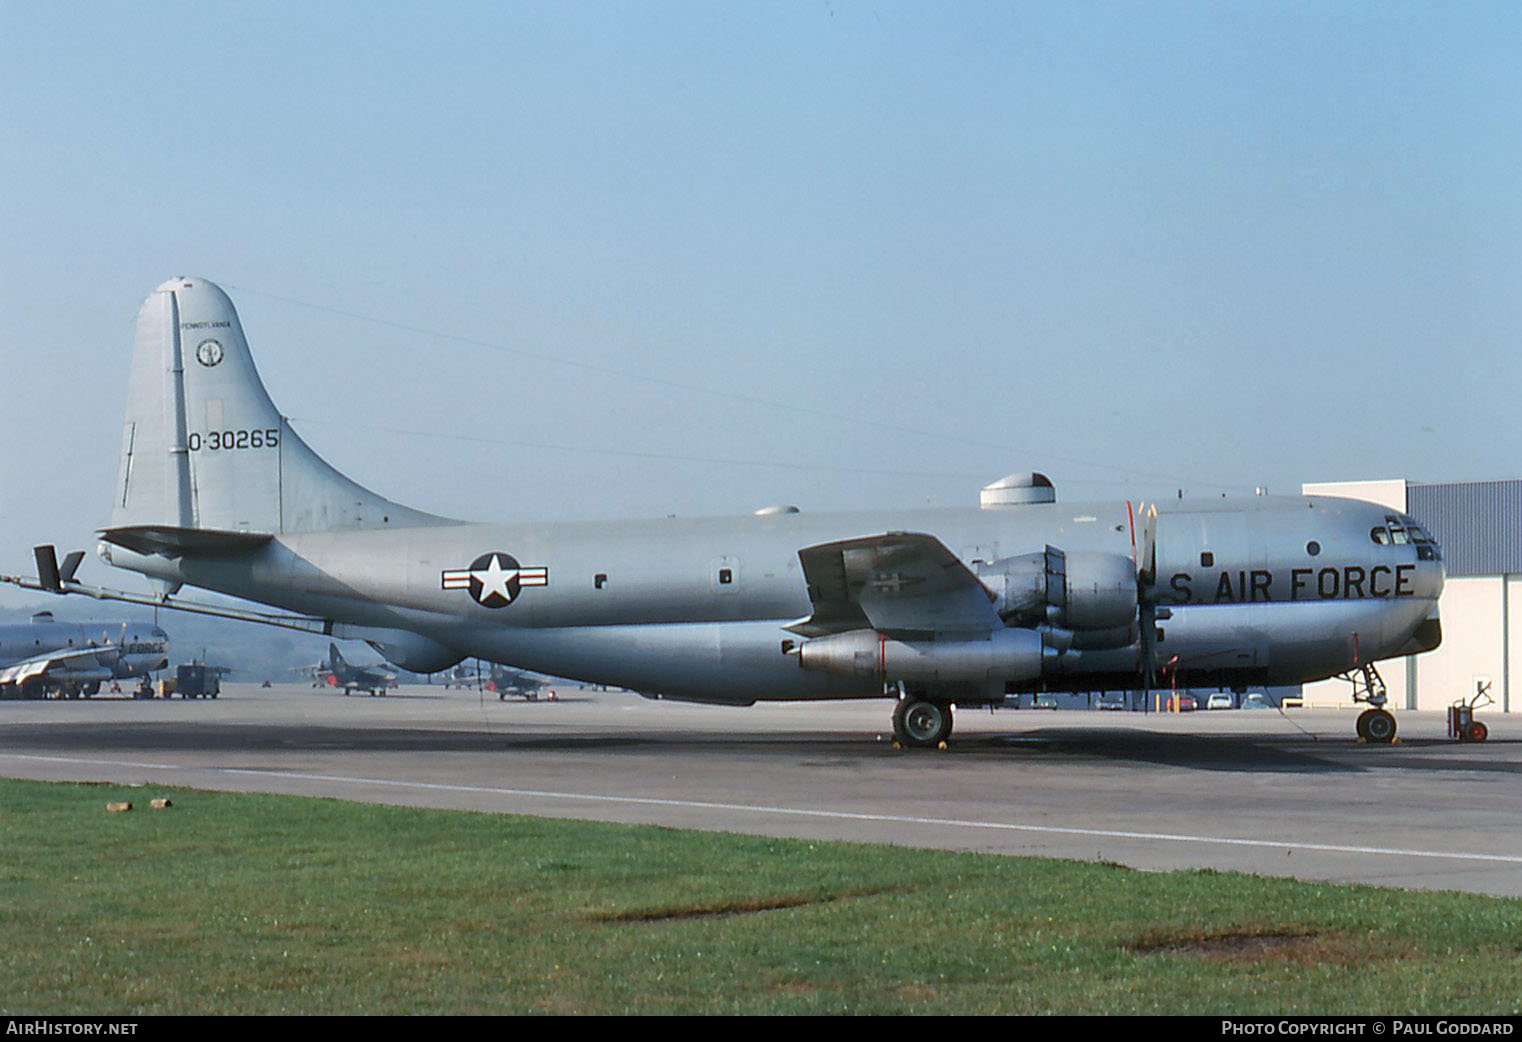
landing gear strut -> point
(921, 723)
(1375, 725)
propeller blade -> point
(1144, 540)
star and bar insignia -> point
(494, 579)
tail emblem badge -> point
(494, 579)
(209, 352)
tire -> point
(1379, 727)
(1361, 724)
(921, 723)
(1477, 732)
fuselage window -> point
(1313, 548)
(1206, 558)
(726, 576)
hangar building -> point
(1478, 525)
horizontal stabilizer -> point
(177, 542)
(71, 565)
(47, 568)
(50, 576)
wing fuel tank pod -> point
(1008, 655)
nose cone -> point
(1428, 635)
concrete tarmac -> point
(1275, 794)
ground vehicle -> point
(1181, 704)
(198, 680)
(1219, 700)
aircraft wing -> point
(38, 665)
(902, 584)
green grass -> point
(231, 903)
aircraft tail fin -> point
(335, 658)
(203, 446)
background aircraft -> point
(75, 658)
(498, 679)
(935, 607)
(339, 672)
(513, 682)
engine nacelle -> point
(1090, 595)
(1101, 591)
(1010, 655)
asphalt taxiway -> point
(1289, 794)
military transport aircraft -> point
(337, 671)
(75, 658)
(934, 607)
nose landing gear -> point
(1375, 725)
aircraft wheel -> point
(921, 723)
(1478, 732)
(1378, 727)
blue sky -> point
(543, 261)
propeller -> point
(1144, 548)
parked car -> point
(1220, 700)
(1186, 704)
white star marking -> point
(495, 578)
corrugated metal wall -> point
(1477, 523)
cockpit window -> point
(1407, 530)
(1380, 534)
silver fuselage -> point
(1266, 590)
(124, 649)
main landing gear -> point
(921, 723)
(1375, 725)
